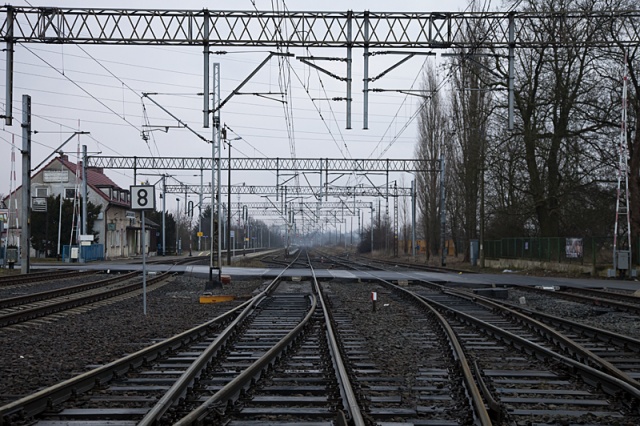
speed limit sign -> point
(143, 197)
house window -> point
(69, 193)
(42, 192)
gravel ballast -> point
(40, 353)
(594, 316)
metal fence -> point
(589, 250)
(88, 253)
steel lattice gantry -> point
(333, 205)
(303, 29)
(266, 164)
(330, 190)
(366, 30)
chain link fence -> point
(596, 251)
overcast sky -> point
(73, 87)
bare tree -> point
(560, 109)
(470, 110)
(433, 130)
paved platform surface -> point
(453, 279)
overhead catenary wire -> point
(324, 122)
(290, 129)
(101, 145)
(135, 92)
(82, 88)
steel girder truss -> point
(332, 191)
(266, 164)
(296, 205)
(302, 29)
(315, 216)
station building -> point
(117, 227)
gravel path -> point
(38, 354)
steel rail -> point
(36, 312)
(419, 266)
(480, 411)
(555, 337)
(608, 336)
(597, 301)
(35, 297)
(475, 394)
(38, 402)
(38, 276)
(343, 377)
(600, 294)
(186, 380)
(233, 388)
(610, 384)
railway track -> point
(408, 265)
(608, 299)
(616, 354)
(419, 377)
(560, 374)
(28, 299)
(196, 373)
(172, 261)
(38, 277)
(303, 353)
(24, 308)
(550, 377)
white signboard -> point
(143, 197)
(39, 204)
(53, 176)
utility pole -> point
(164, 208)
(84, 190)
(413, 219)
(372, 228)
(216, 243)
(443, 217)
(177, 226)
(200, 207)
(25, 235)
(482, 212)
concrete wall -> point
(533, 264)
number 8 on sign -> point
(143, 197)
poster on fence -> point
(573, 247)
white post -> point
(144, 268)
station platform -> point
(453, 279)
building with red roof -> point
(117, 227)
